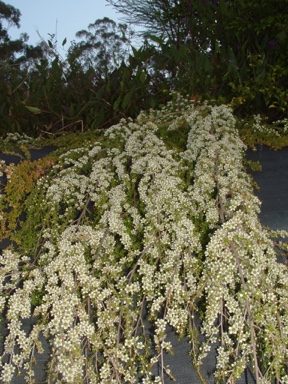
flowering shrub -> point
(128, 237)
(259, 131)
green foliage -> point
(18, 188)
(100, 82)
(15, 59)
(257, 131)
(9, 14)
(106, 44)
(207, 49)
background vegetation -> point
(199, 48)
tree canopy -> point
(105, 45)
(236, 48)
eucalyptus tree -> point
(173, 20)
(104, 45)
(181, 32)
(10, 16)
(15, 58)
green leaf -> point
(142, 77)
(127, 100)
(34, 110)
(49, 84)
(156, 39)
(116, 104)
(64, 42)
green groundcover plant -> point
(150, 227)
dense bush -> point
(235, 51)
(143, 229)
(198, 48)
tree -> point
(104, 46)
(236, 47)
(12, 56)
(254, 41)
(10, 15)
(173, 20)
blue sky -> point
(66, 17)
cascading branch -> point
(128, 237)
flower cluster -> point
(131, 236)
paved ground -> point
(273, 192)
(273, 183)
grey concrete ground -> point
(273, 184)
(273, 192)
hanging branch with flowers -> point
(134, 234)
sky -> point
(60, 17)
